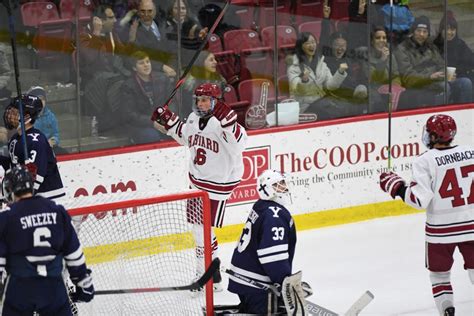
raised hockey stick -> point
(201, 282)
(312, 308)
(195, 56)
(11, 25)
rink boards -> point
(333, 167)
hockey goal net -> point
(133, 242)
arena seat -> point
(251, 89)
(240, 107)
(67, 9)
(214, 44)
(286, 36)
(340, 9)
(314, 27)
(308, 10)
(32, 13)
(54, 39)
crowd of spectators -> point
(131, 53)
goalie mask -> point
(271, 185)
(206, 91)
(31, 105)
(17, 181)
(442, 127)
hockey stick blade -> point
(201, 282)
(360, 304)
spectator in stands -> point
(377, 72)
(422, 70)
(5, 75)
(46, 121)
(101, 48)
(191, 33)
(208, 15)
(204, 70)
(141, 93)
(145, 32)
(402, 19)
(360, 15)
(309, 78)
(353, 90)
(459, 54)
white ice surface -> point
(385, 256)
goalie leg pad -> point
(293, 294)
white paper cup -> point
(451, 72)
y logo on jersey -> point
(34, 136)
(275, 210)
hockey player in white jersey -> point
(216, 143)
(443, 184)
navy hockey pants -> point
(263, 303)
(47, 296)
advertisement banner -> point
(329, 167)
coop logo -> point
(114, 188)
(256, 160)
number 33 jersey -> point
(443, 184)
(216, 162)
(266, 247)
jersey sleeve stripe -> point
(250, 274)
(218, 188)
(273, 249)
(76, 263)
(274, 258)
(40, 258)
(237, 131)
(74, 255)
(39, 179)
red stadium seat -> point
(245, 12)
(342, 24)
(215, 44)
(240, 107)
(286, 36)
(308, 10)
(283, 86)
(250, 91)
(67, 8)
(314, 27)
(340, 9)
(266, 13)
(32, 13)
(253, 54)
(54, 39)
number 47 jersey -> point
(443, 184)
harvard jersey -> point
(48, 181)
(443, 184)
(266, 247)
(36, 236)
(216, 164)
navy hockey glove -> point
(163, 116)
(391, 182)
(84, 288)
(224, 114)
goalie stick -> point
(201, 282)
(312, 308)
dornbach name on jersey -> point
(454, 157)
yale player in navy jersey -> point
(266, 247)
(36, 236)
(48, 181)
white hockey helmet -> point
(271, 185)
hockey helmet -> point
(17, 181)
(272, 185)
(442, 127)
(210, 90)
(31, 105)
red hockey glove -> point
(390, 182)
(224, 113)
(33, 170)
(163, 116)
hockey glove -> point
(391, 182)
(163, 116)
(32, 169)
(293, 295)
(84, 288)
(224, 114)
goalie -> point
(216, 142)
(265, 251)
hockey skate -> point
(449, 311)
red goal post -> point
(136, 240)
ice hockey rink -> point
(385, 256)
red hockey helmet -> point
(208, 89)
(442, 127)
